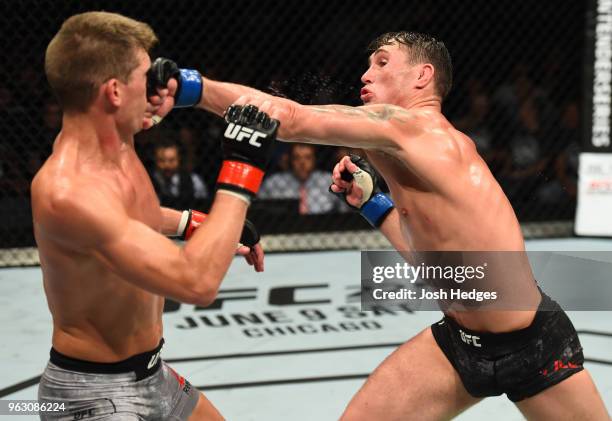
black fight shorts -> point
(520, 364)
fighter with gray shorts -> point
(142, 387)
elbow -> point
(205, 299)
(202, 291)
(199, 284)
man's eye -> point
(382, 63)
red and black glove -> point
(192, 219)
(247, 145)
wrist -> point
(242, 196)
(376, 209)
(190, 221)
(240, 178)
(182, 226)
(190, 89)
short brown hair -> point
(91, 48)
(423, 49)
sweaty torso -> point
(458, 207)
(97, 316)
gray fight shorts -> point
(142, 387)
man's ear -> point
(112, 92)
(425, 75)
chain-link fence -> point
(517, 93)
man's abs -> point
(96, 315)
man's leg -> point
(205, 411)
(575, 398)
(415, 382)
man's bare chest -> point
(138, 195)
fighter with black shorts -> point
(520, 363)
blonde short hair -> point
(91, 48)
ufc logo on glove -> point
(234, 131)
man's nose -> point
(366, 77)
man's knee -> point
(353, 413)
(205, 411)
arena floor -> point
(287, 344)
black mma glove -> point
(189, 90)
(247, 145)
(375, 205)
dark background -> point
(524, 59)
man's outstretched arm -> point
(217, 96)
(383, 127)
(371, 126)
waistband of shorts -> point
(143, 365)
(488, 341)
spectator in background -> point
(475, 122)
(43, 145)
(188, 140)
(566, 164)
(175, 186)
(560, 191)
(302, 182)
(22, 148)
(527, 126)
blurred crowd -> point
(528, 137)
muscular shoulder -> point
(71, 210)
(415, 123)
(428, 133)
(404, 119)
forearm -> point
(372, 126)
(217, 96)
(213, 245)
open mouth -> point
(365, 94)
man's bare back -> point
(97, 315)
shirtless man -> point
(101, 233)
(442, 190)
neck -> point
(96, 132)
(431, 102)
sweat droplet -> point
(475, 175)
